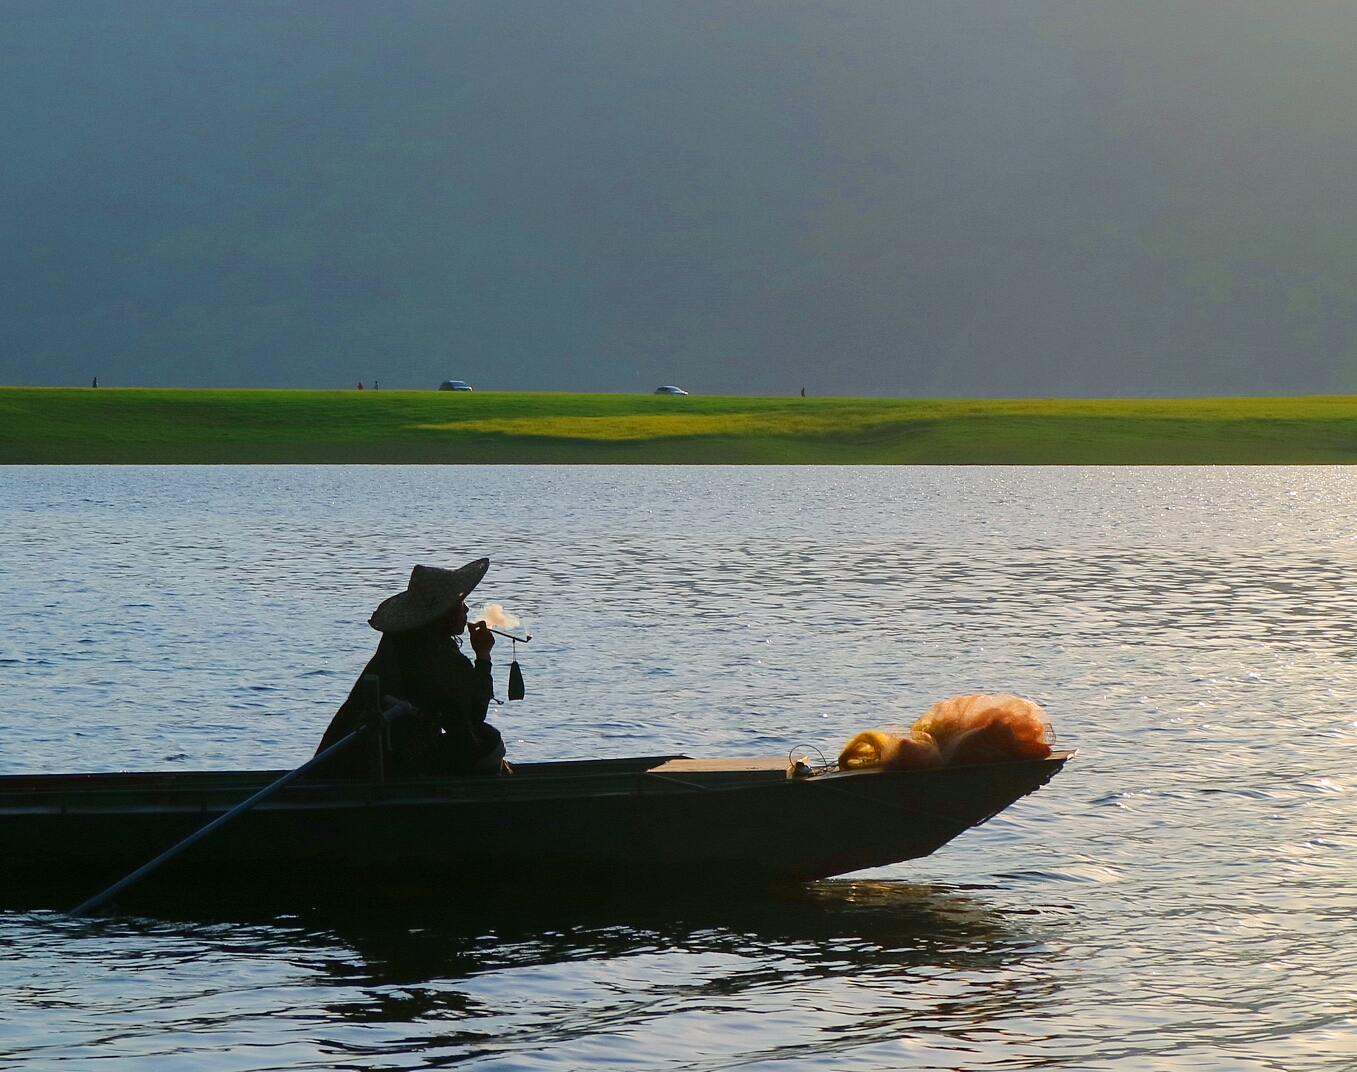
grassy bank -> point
(111, 425)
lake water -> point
(1182, 896)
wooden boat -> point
(649, 819)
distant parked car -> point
(455, 385)
(670, 390)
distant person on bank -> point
(420, 660)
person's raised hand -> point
(482, 640)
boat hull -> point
(654, 819)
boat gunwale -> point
(564, 781)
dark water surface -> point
(1180, 897)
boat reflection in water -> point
(829, 967)
(832, 927)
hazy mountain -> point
(1025, 197)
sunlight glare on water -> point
(1180, 897)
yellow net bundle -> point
(963, 730)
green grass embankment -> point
(168, 426)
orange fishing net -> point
(876, 748)
(964, 730)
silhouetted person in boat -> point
(420, 660)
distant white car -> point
(670, 390)
(455, 385)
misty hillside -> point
(1024, 198)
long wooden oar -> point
(198, 835)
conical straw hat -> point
(432, 592)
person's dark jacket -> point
(425, 667)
